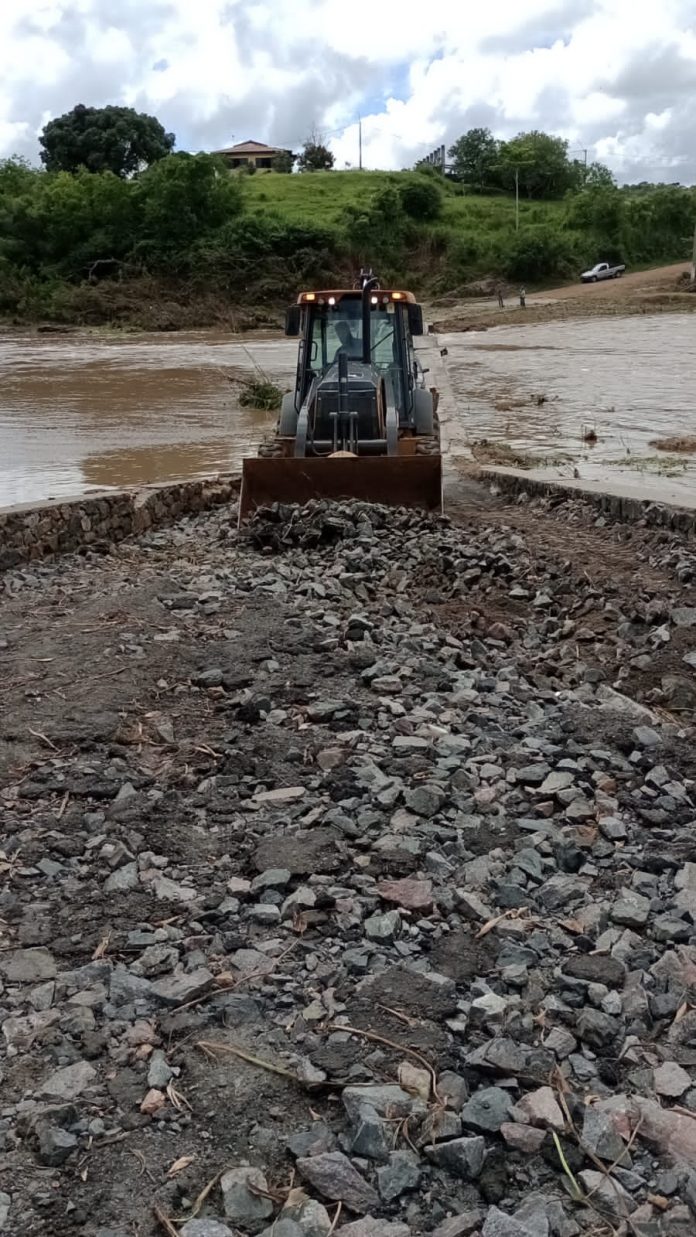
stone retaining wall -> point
(630, 510)
(58, 527)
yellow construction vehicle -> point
(360, 423)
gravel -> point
(320, 902)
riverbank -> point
(349, 864)
(155, 304)
(663, 289)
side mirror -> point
(293, 319)
(415, 318)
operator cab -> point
(333, 324)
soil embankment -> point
(349, 879)
(661, 289)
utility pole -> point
(693, 260)
(517, 199)
(360, 142)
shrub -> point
(421, 198)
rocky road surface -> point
(349, 879)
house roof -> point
(250, 147)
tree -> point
(315, 156)
(541, 163)
(283, 162)
(104, 139)
(598, 209)
(475, 158)
(63, 223)
(183, 198)
(597, 174)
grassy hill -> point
(467, 236)
(186, 244)
(473, 236)
(322, 197)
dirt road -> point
(636, 292)
(654, 279)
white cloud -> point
(614, 76)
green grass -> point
(321, 197)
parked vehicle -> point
(602, 271)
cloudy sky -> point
(617, 77)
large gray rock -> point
(487, 1109)
(371, 1138)
(631, 909)
(283, 1226)
(180, 989)
(333, 1175)
(425, 800)
(69, 1082)
(534, 1211)
(498, 1224)
(684, 616)
(55, 1146)
(671, 1079)
(402, 1173)
(312, 1217)
(459, 1226)
(368, 1226)
(383, 929)
(125, 988)
(599, 1135)
(463, 1157)
(28, 966)
(123, 879)
(248, 1210)
(206, 1228)
(390, 1101)
(597, 1029)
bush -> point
(421, 199)
(534, 254)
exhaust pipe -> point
(369, 284)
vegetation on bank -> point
(200, 243)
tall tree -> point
(475, 157)
(541, 163)
(104, 139)
(598, 174)
(284, 161)
(315, 155)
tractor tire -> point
(429, 444)
(423, 413)
(270, 449)
(287, 421)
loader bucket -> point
(406, 481)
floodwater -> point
(585, 399)
(86, 412)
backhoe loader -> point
(360, 423)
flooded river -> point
(583, 399)
(85, 412)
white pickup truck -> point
(602, 271)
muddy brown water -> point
(583, 399)
(87, 412)
(84, 412)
